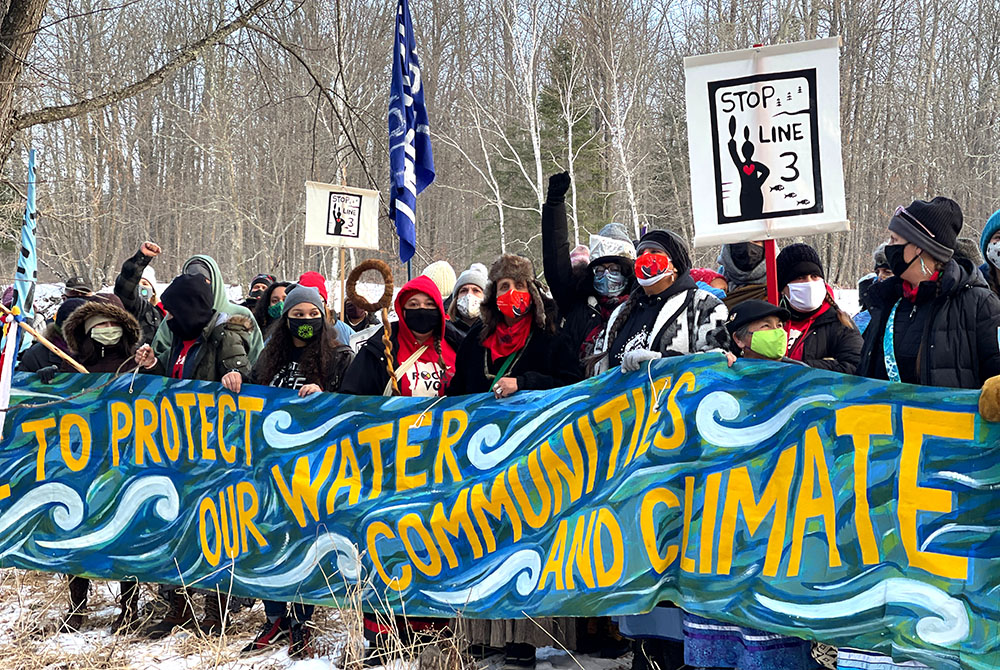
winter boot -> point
(179, 614)
(78, 587)
(216, 609)
(300, 638)
(128, 619)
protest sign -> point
(341, 216)
(764, 142)
(803, 502)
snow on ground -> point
(32, 604)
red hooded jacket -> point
(425, 378)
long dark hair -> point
(316, 360)
(260, 309)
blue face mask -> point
(609, 283)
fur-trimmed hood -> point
(518, 268)
(73, 329)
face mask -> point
(807, 296)
(145, 293)
(184, 331)
(993, 253)
(106, 335)
(769, 343)
(468, 305)
(422, 320)
(305, 329)
(353, 312)
(894, 254)
(609, 283)
(746, 256)
(275, 310)
(651, 268)
(514, 303)
(256, 293)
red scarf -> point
(803, 326)
(505, 340)
(426, 374)
(910, 291)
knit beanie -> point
(797, 260)
(68, 307)
(669, 242)
(262, 278)
(316, 281)
(149, 274)
(301, 294)
(992, 226)
(933, 226)
(470, 276)
(443, 276)
(879, 258)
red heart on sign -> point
(748, 169)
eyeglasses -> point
(601, 271)
(901, 211)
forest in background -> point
(212, 156)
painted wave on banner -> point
(792, 500)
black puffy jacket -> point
(959, 346)
(127, 290)
(832, 345)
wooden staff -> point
(45, 343)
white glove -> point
(633, 360)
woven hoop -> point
(352, 280)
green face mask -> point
(275, 310)
(769, 343)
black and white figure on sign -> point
(752, 174)
(343, 215)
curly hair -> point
(317, 356)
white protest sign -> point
(764, 142)
(341, 216)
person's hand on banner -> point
(506, 387)
(989, 400)
(144, 357)
(730, 358)
(633, 360)
(308, 390)
(150, 249)
(233, 381)
(558, 185)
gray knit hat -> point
(301, 294)
(471, 276)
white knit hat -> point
(442, 274)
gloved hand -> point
(989, 400)
(46, 374)
(558, 185)
(634, 359)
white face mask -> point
(993, 253)
(468, 305)
(807, 296)
(106, 335)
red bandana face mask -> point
(651, 268)
(514, 303)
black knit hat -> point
(672, 244)
(797, 260)
(933, 226)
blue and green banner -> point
(797, 501)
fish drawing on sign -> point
(802, 202)
(779, 187)
(791, 195)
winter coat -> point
(700, 324)
(368, 374)
(991, 279)
(38, 356)
(222, 347)
(98, 357)
(572, 290)
(163, 341)
(127, 290)
(830, 344)
(958, 345)
(743, 293)
(546, 362)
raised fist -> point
(150, 249)
(558, 185)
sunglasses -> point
(901, 212)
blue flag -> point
(410, 157)
(26, 275)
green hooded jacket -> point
(164, 337)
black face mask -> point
(185, 329)
(423, 320)
(894, 254)
(353, 312)
(256, 294)
(305, 329)
(746, 255)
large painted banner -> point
(808, 503)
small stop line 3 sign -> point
(764, 142)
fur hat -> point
(75, 327)
(518, 268)
(966, 247)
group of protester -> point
(930, 318)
